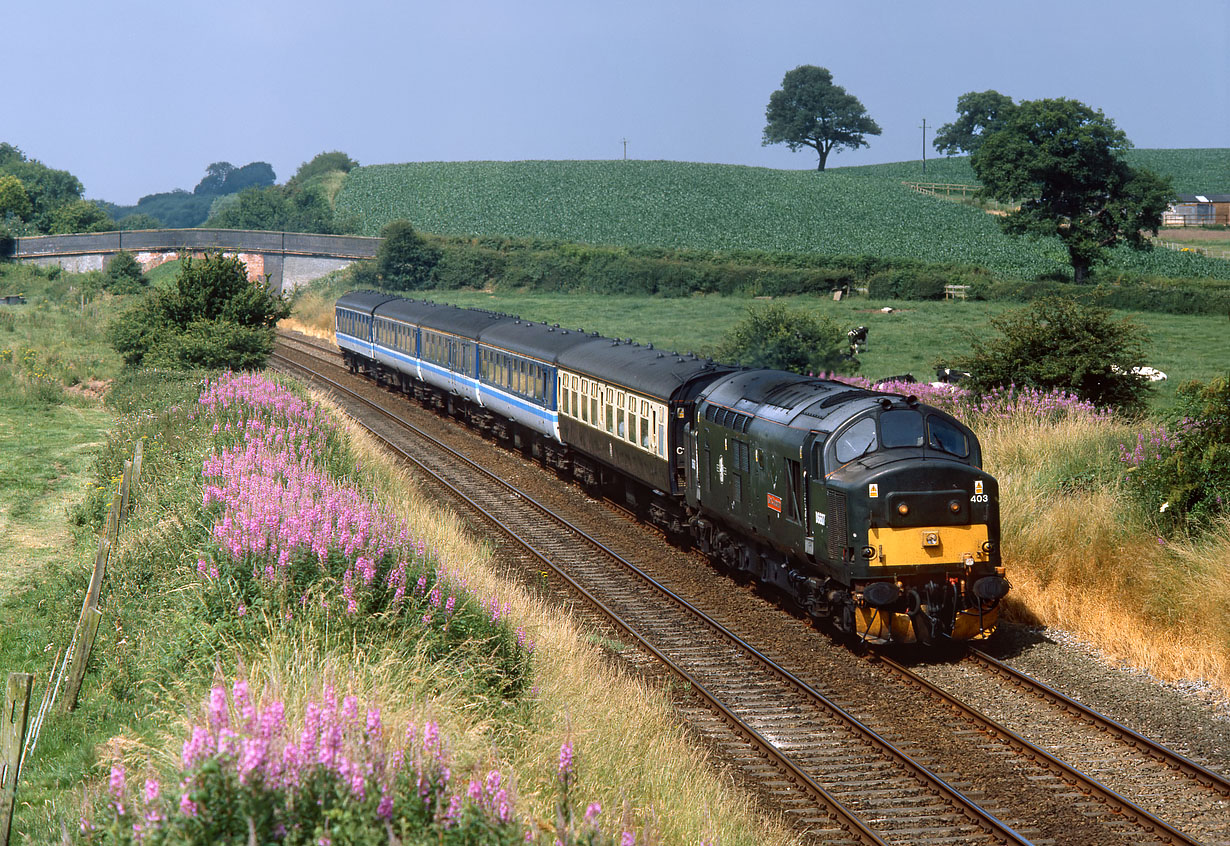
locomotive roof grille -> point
(845, 396)
(728, 419)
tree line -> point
(1059, 161)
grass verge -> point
(172, 629)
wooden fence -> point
(1186, 248)
(19, 734)
(944, 189)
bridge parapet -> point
(289, 258)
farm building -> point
(1198, 210)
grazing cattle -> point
(858, 339)
(1152, 374)
(951, 376)
(904, 379)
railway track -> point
(837, 776)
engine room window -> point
(859, 439)
(901, 428)
(946, 437)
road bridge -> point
(288, 259)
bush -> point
(776, 337)
(404, 259)
(1182, 467)
(124, 274)
(212, 316)
(1058, 343)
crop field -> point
(846, 211)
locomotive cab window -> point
(901, 428)
(946, 437)
(859, 439)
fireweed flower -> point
(565, 758)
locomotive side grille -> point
(837, 524)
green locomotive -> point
(867, 508)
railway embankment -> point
(286, 617)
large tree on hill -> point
(1063, 162)
(980, 113)
(810, 111)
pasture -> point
(908, 340)
(844, 211)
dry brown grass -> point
(313, 315)
(1082, 558)
(628, 742)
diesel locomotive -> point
(864, 508)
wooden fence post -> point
(12, 738)
(138, 457)
(87, 630)
(100, 568)
(125, 484)
(113, 520)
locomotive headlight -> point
(988, 547)
(930, 538)
(903, 509)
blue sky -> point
(136, 97)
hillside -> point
(853, 211)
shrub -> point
(774, 336)
(1181, 468)
(404, 259)
(211, 316)
(1058, 343)
(124, 274)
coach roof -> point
(363, 301)
(640, 368)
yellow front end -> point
(954, 546)
(914, 547)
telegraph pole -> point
(924, 139)
(625, 149)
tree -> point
(211, 316)
(980, 113)
(1058, 343)
(79, 216)
(14, 200)
(1063, 162)
(404, 260)
(138, 220)
(776, 337)
(251, 175)
(810, 111)
(124, 274)
(214, 179)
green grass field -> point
(847, 211)
(907, 341)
